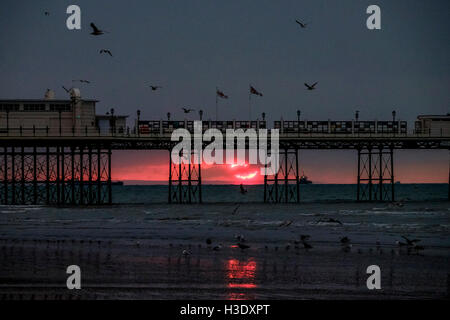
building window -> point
(9, 107)
(60, 107)
(34, 107)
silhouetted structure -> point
(42, 165)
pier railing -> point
(165, 132)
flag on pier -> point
(256, 93)
(219, 94)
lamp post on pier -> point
(113, 125)
(7, 120)
(138, 119)
(394, 113)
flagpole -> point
(249, 104)
(217, 101)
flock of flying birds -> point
(97, 32)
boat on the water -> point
(304, 179)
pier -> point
(64, 166)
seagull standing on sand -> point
(400, 244)
(243, 246)
(304, 237)
(329, 220)
(345, 240)
(306, 245)
(346, 246)
(285, 223)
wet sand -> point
(124, 256)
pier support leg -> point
(3, 175)
(54, 175)
(375, 174)
(185, 181)
(284, 185)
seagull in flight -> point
(303, 25)
(187, 110)
(47, 13)
(243, 190)
(154, 88)
(411, 242)
(96, 31)
(82, 81)
(310, 87)
(106, 51)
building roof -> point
(434, 117)
(43, 100)
(108, 116)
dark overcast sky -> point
(190, 47)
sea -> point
(140, 247)
(147, 194)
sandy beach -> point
(136, 251)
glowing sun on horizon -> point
(243, 174)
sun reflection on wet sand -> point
(241, 275)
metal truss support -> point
(284, 185)
(375, 174)
(55, 175)
(185, 181)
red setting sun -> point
(243, 172)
